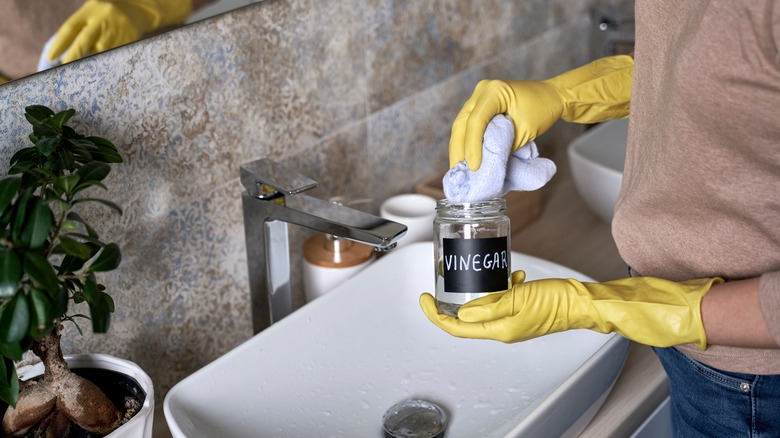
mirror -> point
(26, 25)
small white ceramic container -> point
(414, 210)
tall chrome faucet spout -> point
(274, 198)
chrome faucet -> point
(273, 199)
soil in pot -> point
(123, 391)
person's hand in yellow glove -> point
(592, 93)
(100, 25)
(648, 310)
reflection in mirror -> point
(39, 34)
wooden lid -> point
(333, 252)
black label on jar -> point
(475, 265)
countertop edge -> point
(640, 388)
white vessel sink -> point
(596, 160)
(335, 366)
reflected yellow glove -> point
(592, 93)
(651, 311)
(100, 25)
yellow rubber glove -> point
(100, 25)
(592, 93)
(648, 310)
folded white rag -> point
(500, 172)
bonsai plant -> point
(50, 256)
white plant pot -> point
(138, 426)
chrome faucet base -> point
(273, 199)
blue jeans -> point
(707, 402)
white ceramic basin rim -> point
(333, 367)
(596, 159)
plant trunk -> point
(48, 406)
(48, 349)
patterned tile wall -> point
(358, 95)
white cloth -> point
(43, 61)
(500, 172)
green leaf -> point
(14, 319)
(20, 167)
(41, 173)
(86, 238)
(40, 271)
(108, 259)
(105, 202)
(100, 311)
(47, 145)
(70, 133)
(90, 290)
(106, 156)
(106, 151)
(90, 231)
(70, 264)
(8, 189)
(82, 143)
(75, 248)
(26, 154)
(59, 119)
(67, 183)
(13, 350)
(73, 264)
(41, 306)
(109, 302)
(88, 184)
(37, 113)
(10, 272)
(9, 382)
(41, 130)
(94, 171)
(80, 153)
(59, 304)
(19, 217)
(39, 222)
(63, 159)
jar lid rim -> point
(488, 203)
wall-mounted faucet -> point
(273, 199)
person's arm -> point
(651, 311)
(100, 25)
(731, 313)
(595, 92)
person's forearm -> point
(732, 316)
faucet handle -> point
(266, 179)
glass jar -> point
(472, 252)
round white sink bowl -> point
(596, 159)
(334, 367)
